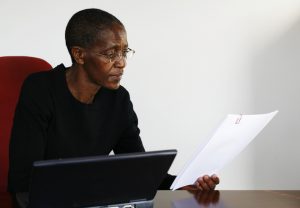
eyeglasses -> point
(116, 56)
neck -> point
(79, 84)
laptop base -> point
(142, 204)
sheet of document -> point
(228, 140)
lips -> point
(116, 77)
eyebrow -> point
(115, 47)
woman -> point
(81, 110)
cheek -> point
(97, 72)
(100, 71)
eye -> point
(125, 51)
(110, 54)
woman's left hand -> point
(204, 183)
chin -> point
(113, 86)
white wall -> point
(195, 62)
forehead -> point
(112, 37)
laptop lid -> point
(98, 180)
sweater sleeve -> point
(130, 140)
(167, 182)
(28, 136)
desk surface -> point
(215, 199)
(228, 199)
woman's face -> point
(100, 69)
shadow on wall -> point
(276, 85)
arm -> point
(28, 137)
(130, 140)
(167, 182)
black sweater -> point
(50, 123)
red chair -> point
(13, 71)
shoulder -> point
(117, 98)
(37, 78)
(43, 76)
(124, 97)
(120, 93)
(39, 83)
(123, 91)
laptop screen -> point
(99, 180)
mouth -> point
(116, 77)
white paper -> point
(229, 139)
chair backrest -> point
(13, 71)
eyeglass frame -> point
(116, 56)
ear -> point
(78, 54)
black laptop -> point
(124, 180)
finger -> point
(208, 180)
(203, 185)
(215, 178)
(212, 186)
(190, 188)
(197, 185)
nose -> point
(120, 62)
